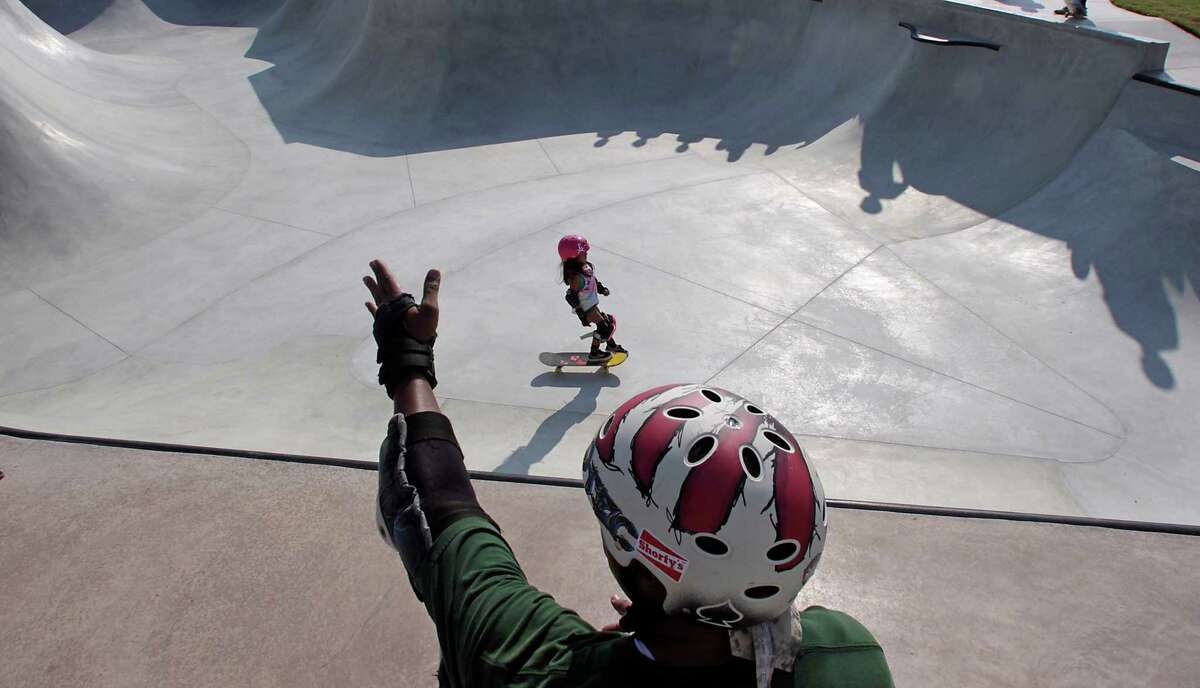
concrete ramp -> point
(958, 257)
(185, 570)
(100, 152)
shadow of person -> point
(1134, 276)
(880, 184)
(552, 430)
(1139, 240)
(1023, 5)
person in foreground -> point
(710, 516)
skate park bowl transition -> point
(957, 258)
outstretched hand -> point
(421, 320)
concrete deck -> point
(964, 277)
(124, 568)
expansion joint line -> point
(793, 314)
(78, 321)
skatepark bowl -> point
(958, 257)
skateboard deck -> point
(577, 359)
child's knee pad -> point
(605, 328)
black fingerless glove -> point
(399, 353)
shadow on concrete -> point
(68, 16)
(555, 426)
(1137, 236)
(1031, 6)
(215, 12)
(481, 74)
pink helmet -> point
(571, 246)
(713, 496)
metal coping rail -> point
(546, 481)
(916, 34)
(1154, 80)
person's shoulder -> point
(837, 650)
(829, 627)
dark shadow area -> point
(67, 16)
(555, 426)
(1023, 5)
(1127, 209)
(1141, 241)
(215, 12)
(1138, 300)
(481, 74)
(1123, 209)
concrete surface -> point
(125, 568)
(964, 277)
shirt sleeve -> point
(494, 628)
(839, 652)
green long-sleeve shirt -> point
(495, 629)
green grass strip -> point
(1182, 13)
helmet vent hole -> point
(782, 551)
(682, 413)
(755, 410)
(751, 463)
(711, 545)
(607, 426)
(712, 396)
(777, 440)
(700, 450)
(762, 592)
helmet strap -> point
(771, 644)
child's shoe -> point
(595, 357)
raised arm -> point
(492, 625)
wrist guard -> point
(400, 353)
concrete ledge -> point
(129, 568)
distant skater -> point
(1074, 9)
(583, 294)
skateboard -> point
(575, 359)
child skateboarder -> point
(583, 294)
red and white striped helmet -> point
(713, 496)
